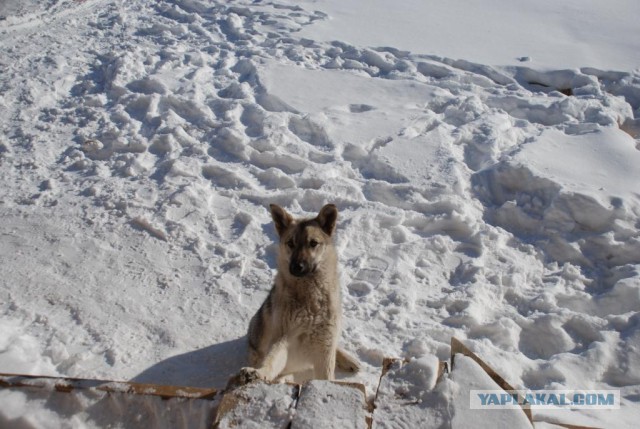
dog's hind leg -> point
(346, 362)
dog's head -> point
(304, 243)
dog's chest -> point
(311, 310)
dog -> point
(297, 328)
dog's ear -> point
(327, 218)
(281, 218)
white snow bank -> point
(605, 163)
(577, 192)
(20, 351)
(545, 34)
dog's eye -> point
(290, 244)
(313, 243)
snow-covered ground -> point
(545, 34)
(484, 158)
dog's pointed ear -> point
(327, 218)
(281, 218)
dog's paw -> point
(289, 378)
(249, 375)
(246, 375)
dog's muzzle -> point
(300, 268)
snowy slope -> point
(142, 141)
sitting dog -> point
(298, 325)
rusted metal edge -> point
(387, 363)
(566, 425)
(69, 384)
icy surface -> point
(142, 141)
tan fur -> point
(298, 325)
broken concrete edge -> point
(358, 386)
(66, 385)
(232, 398)
(458, 347)
(367, 405)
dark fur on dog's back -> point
(298, 325)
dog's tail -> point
(346, 362)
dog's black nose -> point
(298, 269)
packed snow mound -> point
(141, 143)
(574, 194)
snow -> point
(543, 34)
(409, 397)
(481, 196)
(602, 170)
(94, 409)
(469, 376)
(261, 405)
(323, 404)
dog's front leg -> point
(275, 361)
(268, 370)
(324, 364)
